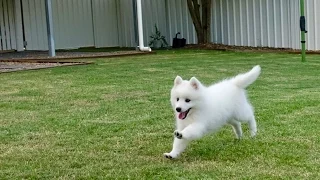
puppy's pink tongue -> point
(182, 115)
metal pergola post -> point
(51, 46)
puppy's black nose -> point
(178, 109)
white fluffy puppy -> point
(200, 109)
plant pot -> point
(177, 42)
(156, 44)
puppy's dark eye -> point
(188, 100)
(177, 99)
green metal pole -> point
(303, 35)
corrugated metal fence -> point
(254, 23)
(72, 21)
(257, 23)
(103, 23)
(7, 26)
(313, 20)
(269, 23)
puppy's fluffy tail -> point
(244, 80)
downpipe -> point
(140, 28)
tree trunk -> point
(201, 21)
(193, 7)
(206, 17)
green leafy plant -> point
(158, 40)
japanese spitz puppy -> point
(200, 109)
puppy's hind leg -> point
(236, 126)
(245, 114)
(252, 126)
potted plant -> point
(157, 40)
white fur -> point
(211, 108)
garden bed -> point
(17, 61)
(221, 47)
(19, 66)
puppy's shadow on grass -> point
(218, 149)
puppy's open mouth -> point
(183, 115)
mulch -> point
(221, 47)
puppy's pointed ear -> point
(195, 83)
(178, 80)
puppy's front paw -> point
(167, 155)
(178, 134)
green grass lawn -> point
(113, 119)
